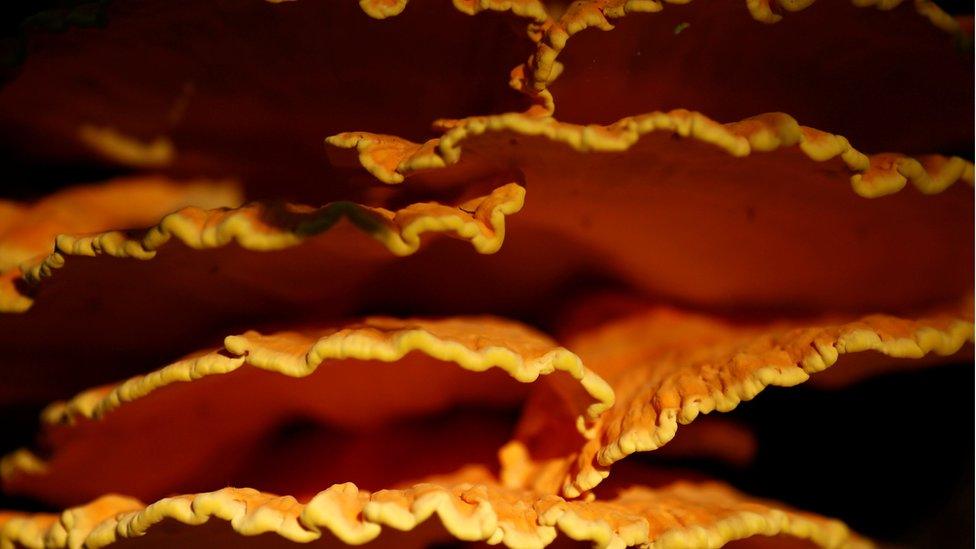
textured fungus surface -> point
(28, 230)
(170, 113)
(674, 53)
(474, 344)
(469, 505)
(678, 57)
(682, 263)
(664, 368)
(390, 158)
(147, 309)
(264, 227)
(715, 204)
(668, 367)
(237, 394)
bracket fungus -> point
(235, 336)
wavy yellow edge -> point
(628, 529)
(469, 512)
(853, 338)
(378, 338)
(390, 159)
(583, 14)
(532, 9)
(552, 26)
(535, 76)
(27, 229)
(480, 221)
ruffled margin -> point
(265, 227)
(715, 515)
(390, 159)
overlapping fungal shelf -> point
(408, 273)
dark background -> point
(891, 456)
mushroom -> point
(250, 339)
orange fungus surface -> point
(406, 273)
